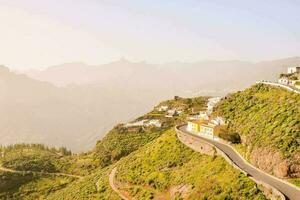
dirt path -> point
(7, 170)
(42, 173)
(113, 186)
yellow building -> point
(203, 127)
(195, 125)
(207, 129)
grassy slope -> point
(35, 157)
(166, 163)
(161, 164)
(118, 143)
(156, 160)
(30, 185)
(87, 188)
(265, 117)
(121, 141)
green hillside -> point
(35, 157)
(151, 162)
(121, 140)
(161, 165)
(166, 164)
(29, 185)
(94, 186)
(39, 158)
(268, 121)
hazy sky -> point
(39, 33)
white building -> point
(163, 108)
(201, 116)
(284, 81)
(292, 70)
(171, 113)
(214, 100)
(210, 108)
(211, 104)
(154, 122)
(218, 121)
(137, 123)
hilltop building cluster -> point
(170, 112)
(160, 115)
(291, 78)
(205, 125)
(152, 122)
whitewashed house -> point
(210, 108)
(211, 104)
(292, 70)
(179, 111)
(154, 122)
(214, 100)
(171, 113)
(201, 116)
(163, 108)
(284, 80)
(218, 121)
(137, 123)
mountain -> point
(33, 111)
(75, 104)
(178, 77)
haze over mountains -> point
(38, 112)
(74, 104)
(120, 71)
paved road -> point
(287, 87)
(292, 193)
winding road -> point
(287, 87)
(113, 186)
(290, 191)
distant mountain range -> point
(123, 71)
(205, 77)
(33, 111)
(75, 104)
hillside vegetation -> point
(34, 157)
(151, 163)
(29, 185)
(165, 168)
(268, 120)
(168, 169)
(122, 140)
(94, 186)
(119, 142)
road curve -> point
(290, 191)
(287, 87)
(112, 183)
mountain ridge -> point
(122, 67)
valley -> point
(150, 162)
